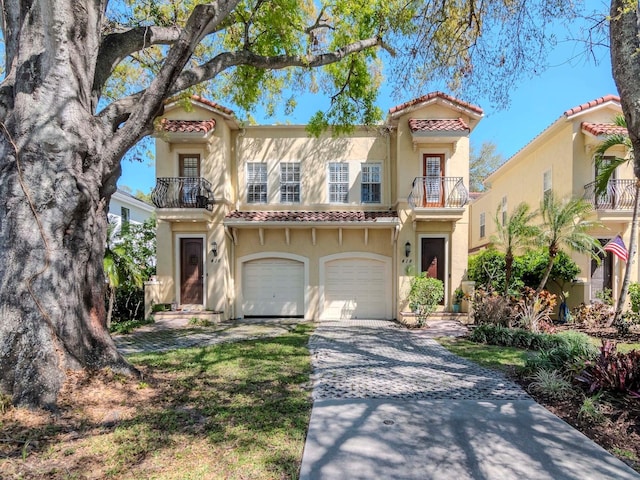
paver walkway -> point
(393, 404)
(172, 334)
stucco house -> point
(561, 159)
(267, 220)
(126, 209)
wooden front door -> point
(433, 173)
(433, 258)
(191, 271)
(602, 272)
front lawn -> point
(237, 410)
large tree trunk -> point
(54, 193)
(625, 44)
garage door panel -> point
(356, 288)
(273, 287)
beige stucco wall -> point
(275, 144)
(224, 155)
(568, 153)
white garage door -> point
(356, 288)
(273, 287)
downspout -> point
(232, 272)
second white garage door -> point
(273, 287)
(356, 288)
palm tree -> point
(119, 266)
(605, 169)
(514, 235)
(564, 226)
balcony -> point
(182, 192)
(620, 195)
(438, 198)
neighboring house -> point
(561, 159)
(269, 221)
(125, 209)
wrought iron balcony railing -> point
(182, 192)
(620, 195)
(434, 192)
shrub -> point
(533, 311)
(592, 315)
(491, 308)
(424, 296)
(569, 352)
(613, 370)
(634, 296)
(605, 296)
(514, 337)
(551, 384)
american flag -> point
(616, 246)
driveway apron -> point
(390, 403)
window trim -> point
(182, 157)
(503, 208)
(343, 166)
(371, 165)
(483, 225)
(546, 190)
(253, 184)
(288, 183)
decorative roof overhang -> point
(331, 219)
(446, 130)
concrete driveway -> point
(393, 404)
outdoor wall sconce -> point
(214, 248)
(407, 249)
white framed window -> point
(290, 182)
(256, 182)
(370, 185)
(338, 183)
(125, 219)
(547, 185)
(503, 209)
(483, 230)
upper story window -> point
(189, 165)
(256, 183)
(503, 209)
(483, 231)
(289, 182)
(370, 184)
(547, 186)
(125, 218)
(338, 183)
(603, 164)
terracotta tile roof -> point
(310, 216)
(209, 103)
(215, 105)
(591, 104)
(443, 125)
(433, 96)
(603, 129)
(188, 126)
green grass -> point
(230, 411)
(506, 359)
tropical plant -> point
(533, 310)
(634, 296)
(613, 370)
(489, 307)
(119, 267)
(514, 236)
(458, 295)
(551, 384)
(424, 295)
(606, 168)
(564, 226)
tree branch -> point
(221, 62)
(203, 19)
(117, 46)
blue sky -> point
(535, 104)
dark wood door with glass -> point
(433, 178)
(191, 271)
(433, 258)
(601, 273)
(190, 175)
